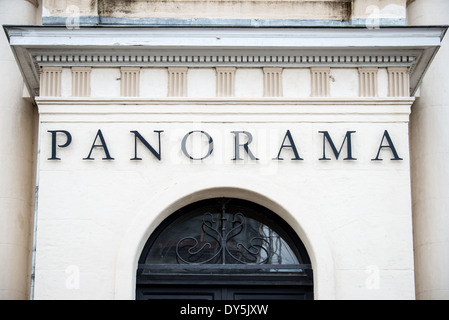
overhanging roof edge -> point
(217, 36)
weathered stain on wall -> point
(62, 8)
(234, 9)
(109, 8)
(310, 10)
(124, 11)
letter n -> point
(347, 139)
(155, 153)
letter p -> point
(54, 143)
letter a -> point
(390, 145)
(102, 145)
(291, 145)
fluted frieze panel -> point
(398, 82)
(177, 82)
(368, 86)
(272, 82)
(225, 81)
(50, 82)
(320, 77)
(81, 81)
(130, 81)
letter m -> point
(336, 152)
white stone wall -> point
(17, 162)
(430, 146)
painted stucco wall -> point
(354, 216)
(96, 215)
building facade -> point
(224, 150)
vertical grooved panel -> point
(225, 81)
(50, 81)
(272, 82)
(81, 81)
(398, 82)
(130, 81)
(177, 81)
(368, 82)
(320, 81)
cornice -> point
(37, 46)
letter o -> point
(209, 152)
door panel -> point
(178, 293)
(223, 293)
(265, 293)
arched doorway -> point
(224, 249)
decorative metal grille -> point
(232, 239)
(225, 243)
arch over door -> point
(227, 249)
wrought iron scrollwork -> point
(231, 240)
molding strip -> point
(183, 110)
(164, 59)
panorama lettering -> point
(242, 141)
